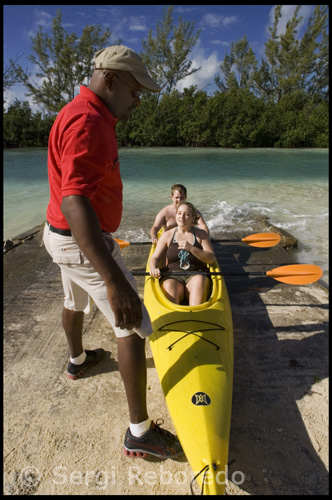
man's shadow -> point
(269, 443)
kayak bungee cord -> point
(170, 347)
(192, 332)
(206, 468)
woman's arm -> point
(159, 252)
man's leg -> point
(151, 438)
(80, 360)
(72, 322)
(63, 252)
(132, 366)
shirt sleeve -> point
(85, 158)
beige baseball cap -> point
(125, 59)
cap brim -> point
(146, 82)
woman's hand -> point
(155, 272)
(185, 245)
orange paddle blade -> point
(122, 243)
(297, 274)
(262, 240)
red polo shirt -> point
(83, 160)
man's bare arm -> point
(160, 220)
(201, 223)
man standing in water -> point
(166, 217)
(85, 207)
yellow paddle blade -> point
(122, 243)
(262, 240)
(297, 274)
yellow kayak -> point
(192, 347)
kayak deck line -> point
(191, 332)
(218, 327)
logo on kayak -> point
(200, 399)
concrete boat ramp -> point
(64, 437)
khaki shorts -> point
(81, 282)
(182, 279)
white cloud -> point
(210, 66)
(218, 21)
(220, 42)
(287, 12)
(184, 9)
(18, 92)
(137, 23)
(41, 18)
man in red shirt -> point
(85, 207)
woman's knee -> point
(198, 282)
(173, 289)
(199, 286)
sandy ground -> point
(64, 437)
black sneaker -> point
(156, 441)
(92, 358)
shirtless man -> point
(166, 217)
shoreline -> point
(13, 242)
(65, 438)
(287, 240)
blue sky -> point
(219, 24)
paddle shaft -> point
(212, 241)
(260, 240)
(204, 273)
(295, 274)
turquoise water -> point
(230, 187)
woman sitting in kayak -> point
(187, 248)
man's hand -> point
(125, 304)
